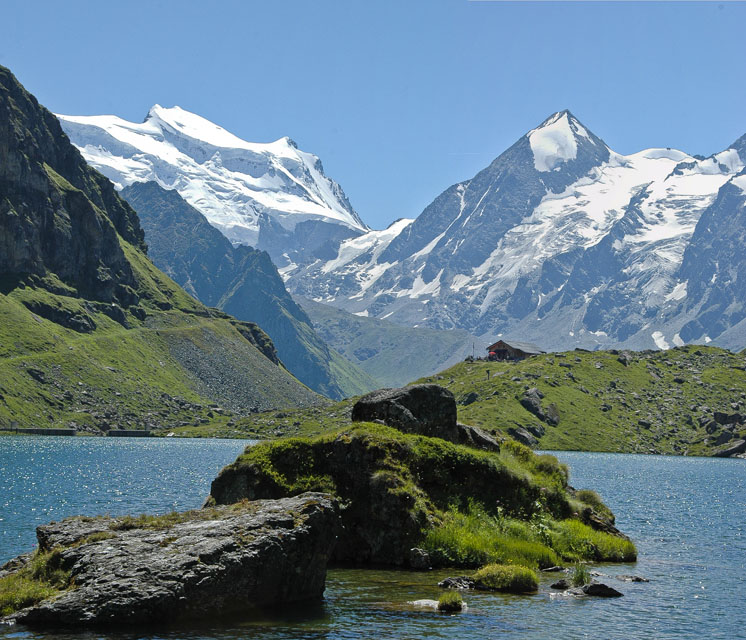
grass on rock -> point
(41, 578)
(450, 601)
(511, 578)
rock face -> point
(56, 213)
(218, 561)
(424, 409)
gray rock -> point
(459, 582)
(739, 446)
(560, 585)
(598, 590)
(425, 409)
(469, 398)
(476, 437)
(523, 436)
(220, 561)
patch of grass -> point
(574, 540)
(593, 500)
(580, 575)
(511, 578)
(475, 538)
(168, 520)
(450, 601)
(41, 578)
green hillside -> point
(685, 401)
(92, 334)
(644, 402)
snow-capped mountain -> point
(271, 196)
(559, 240)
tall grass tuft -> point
(501, 577)
(475, 538)
(450, 601)
(577, 541)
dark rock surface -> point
(419, 559)
(52, 207)
(476, 437)
(560, 585)
(595, 589)
(219, 561)
(523, 436)
(735, 448)
(459, 582)
(424, 409)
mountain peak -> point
(556, 140)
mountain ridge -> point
(242, 282)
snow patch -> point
(678, 341)
(660, 340)
(678, 293)
(553, 143)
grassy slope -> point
(601, 407)
(129, 378)
(644, 390)
(389, 352)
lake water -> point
(686, 516)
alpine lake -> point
(686, 516)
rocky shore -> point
(182, 566)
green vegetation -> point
(450, 602)
(41, 578)
(603, 404)
(580, 575)
(516, 507)
(144, 376)
(501, 577)
(658, 402)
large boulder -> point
(198, 565)
(423, 409)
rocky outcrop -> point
(393, 486)
(424, 409)
(201, 564)
(57, 214)
(531, 402)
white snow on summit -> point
(554, 142)
(231, 181)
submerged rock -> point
(200, 564)
(595, 589)
(626, 578)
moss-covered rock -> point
(396, 488)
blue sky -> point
(400, 99)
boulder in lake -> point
(595, 589)
(198, 565)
